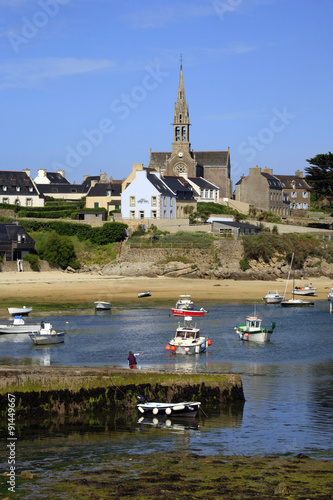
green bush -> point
(33, 260)
(244, 264)
(59, 250)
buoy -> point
(168, 411)
(173, 348)
(155, 411)
(209, 342)
(246, 335)
(168, 347)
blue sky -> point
(89, 86)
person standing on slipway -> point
(132, 359)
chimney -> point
(299, 174)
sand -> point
(57, 287)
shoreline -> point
(56, 287)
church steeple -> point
(181, 120)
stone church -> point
(214, 166)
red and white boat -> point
(185, 306)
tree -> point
(319, 175)
(59, 250)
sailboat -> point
(294, 302)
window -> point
(108, 192)
(154, 201)
(96, 204)
(177, 133)
(18, 189)
(31, 189)
(5, 200)
(29, 202)
(183, 133)
(164, 201)
(132, 214)
(132, 201)
(4, 188)
(153, 214)
(305, 194)
(211, 193)
(294, 194)
(141, 214)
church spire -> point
(181, 120)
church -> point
(214, 166)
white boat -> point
(102, 306)
(304, 290)
(185, 302)
(294, 302)
(47, 335)
(183, 409)
(330, 295)
(18, 325)
(22, 311)
(144, 294)
(252, 330)
(187, 339)
(273, 297)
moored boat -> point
(18, 325)
(185, 306)
(330, 295)
(183, 409)
(273, 297)
(304, 290)
(252, 330)
(187, 339)
(294, 302)
(47, 335)
(22, 311)
(102, 306)
(144, 294)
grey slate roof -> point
(56, 178)
(202, 183)
(8, 233)
(12, 179)
(101, 188)
(161, 186)
(273, 182)
(180, 186)
(287, 180)
(241, 225)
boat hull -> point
(144, 294)
(186, 312)
(186, 409)
(259, 336)
(47, 338)
(102, 306)
(296, 303)
(22, 311)
(273, 300)
(304, 291)
(14, 329)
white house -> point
(148, 197)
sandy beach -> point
(57, 287)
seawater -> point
(288, 384)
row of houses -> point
(148, 194)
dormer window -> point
(18, 189)
(108, 192)
(4, 188)
(31, 189)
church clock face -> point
(180, 169)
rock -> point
(26, 474)
(281, 489)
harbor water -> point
(288, 384)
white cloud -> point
(29, 73)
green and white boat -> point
(252, 330)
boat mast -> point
(291, 263)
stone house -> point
(104, 195)
(235, 228)
(263, 191)
(297, 190)
(14, 242)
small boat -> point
(184, 409)
(102, 306)
(185, 305)
(144, 294)
(304, 290)
(187, 339)
(18, 325)
(294, 302)
(47, 335)
(273, 297)
(330, 295)
(22, 311)
(252, 330)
